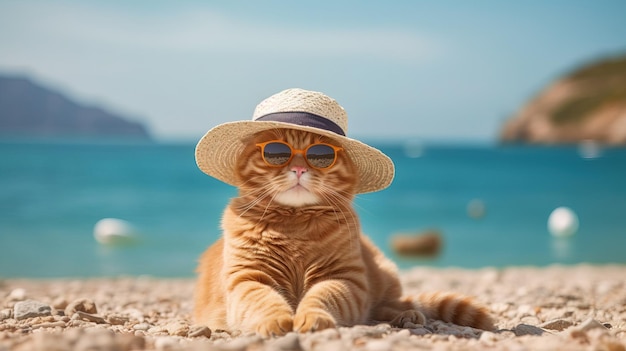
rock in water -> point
(113, 231)
(426, 244)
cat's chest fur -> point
(295, 248)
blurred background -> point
(495, 114)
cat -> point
(293, 258)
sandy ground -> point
(554, 308)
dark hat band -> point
(303, 119)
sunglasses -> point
(278, 153)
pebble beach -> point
(578, 307)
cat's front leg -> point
(257, 307)
(329, 304)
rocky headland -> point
(587, 104)
(30, 110)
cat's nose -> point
(299, 170)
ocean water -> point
(52, 194)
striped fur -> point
(281, 268)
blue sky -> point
(436, 71)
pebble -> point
(420, 331)
(30, 309)
(157, 330)
(135, 314)
(117, 320)
(199, 330)
(525, 329)
(60, 303)
(96, 340)
(76, 323)
(488, 337)
(141, 326)
(330, 345)
(590, 324)
(554, 297)
(378, 345)
(82, 305)
(289, 342)
(129, 342)
(88, 317)
(556, 324)
(18, 294)
(177, 328)
(404, 333)
(165, 343)
(49, 325)
(6, 314)
(240, 344)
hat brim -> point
(217, 152)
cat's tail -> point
(453, 308)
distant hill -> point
(586, 104)
(30, 110)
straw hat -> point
(298, 109)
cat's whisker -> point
(330, 201)
(258, 179)
(266, 207)
(335, 200)
(264, 192)
(353, 236)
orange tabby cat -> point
(293, 258)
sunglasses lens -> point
(320, 156)
(276, 154)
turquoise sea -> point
(53, 193)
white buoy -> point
(563, 222)
(589, 149)
(476, 208)
(413, 148)
(113, 231)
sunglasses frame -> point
(295, 152)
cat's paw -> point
(408, 318)
(313, 320)
(275, 326)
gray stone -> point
(30, 309)
(526, 329)
(420, 331)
